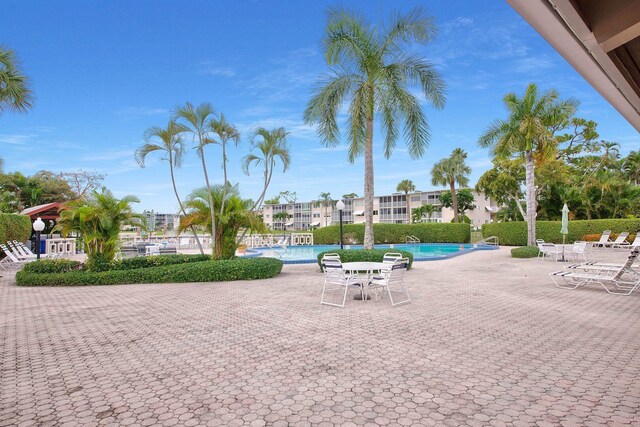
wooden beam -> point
(613, 23)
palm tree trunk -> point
(224, 172)
(175, 191)
(213, 214)
(409, 219)
(368, 187)
(454, 200)
(524, 215)
(531, 199)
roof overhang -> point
(46, 211)
(600, 39)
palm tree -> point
(373, 70)
(236, 215)
(197, 124)
(525, 132)
(325, 199)
(272, 147)
(449, 171)
(406, 186)
(99, 221)
(15, 93)
(226, 132)
(172, 147)
(631, 167)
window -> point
(375, 212)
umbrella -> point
(565, 222)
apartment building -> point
(161, 221)
(386, 209)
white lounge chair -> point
(620, 240)
(29, 253)
(625, 244)
(10, 260)
(604, 238)
(623, 279)
(336, 280)
(393, 282)
(549, 250)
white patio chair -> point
(549, 250)
(538, 243)
(620, 241)
(604, 238)
(393, 282)
(336, 280)
(579, 250)
(624, 279)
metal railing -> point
(412, 240)
(491, 240)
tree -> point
(197, 121)
(42, 187)
(235, 216)
(427, 209)
(226, 132)
(464, 197)
(289, 196)
(99, 221)
(528, 130)
(503, 183)
(372, 69)
(406, 186)
(350, 196)
(275, 200)
(631, 165)
(272, 147)
(450, 171)
(15, 93)
(281, 216)
(82, 182)
(171, 146)
(325, 201)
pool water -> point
(421, 251)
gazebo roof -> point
(45, 211)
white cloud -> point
(17, 139)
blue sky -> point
(105, 71)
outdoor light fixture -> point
(340, 206)
(38, 226)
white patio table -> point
(566, 249)
(367, 267)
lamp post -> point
(38, 226)
(340, 206)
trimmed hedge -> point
(525, 252)
(156, 261)
(364, 255)
(203, 271)
(394, 233)
(47, 266)
(515, 233)
(14, 227)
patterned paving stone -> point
(487, 340)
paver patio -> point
(488, 340)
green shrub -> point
(525, 252)
(46, 266)
(394, 233)
(515, 233)
(203, 271)
(364, 255)
(155, 261)
(14, 227)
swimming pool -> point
(421, 251)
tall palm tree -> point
(373, 70)
(525, 132)
(406, 186)
(236, 215)
(15, 93)
(325, 199)
(171, 146)
(272, 146)
(631, 167)
(226, 132)
(449, 171)
(197, 124)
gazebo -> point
(48, 211)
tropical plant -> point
(225, 132)
(631, 167)
(427, 209)
(350, 196)
(98, 221)
(464, 198)
(289, 196)
(197, 122)
(325, 201)
(15, 93)
(281, 216)
(275, 200)
(235, 216)
(272, 146)
(42, 187)
(406, 186)
(528, 132)
(170, 145)
(503, 183)
(372, 69)
(449, 171)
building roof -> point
(45, 211)
(600, 39)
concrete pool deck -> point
(487, 340)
